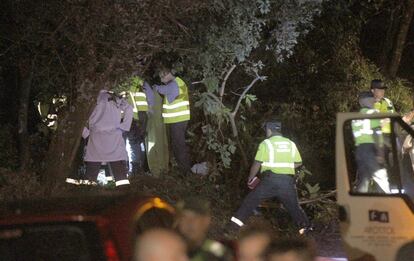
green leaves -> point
(249, 98)
(313, 191)
(211, 83)
(225, 148)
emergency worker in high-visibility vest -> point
(382, 104)
(176, 114)
(140, 97)
(276, 159)
(369, 152)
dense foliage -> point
(247, 60)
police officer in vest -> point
(382, 104)
(140, 97)
(176, 114)
(276, 159)
(369, 152)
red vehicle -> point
(94, 227)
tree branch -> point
(272, 204)
(262, 78)
(214, 97)
(223, 84)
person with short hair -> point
(382, 104)
(176, 114)
(193, 223)
(160, 244)
(253, 240)
(369, 151)
(276, 159)
(291, 249)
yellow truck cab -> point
(376, 220)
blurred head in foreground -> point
(253, 240)
(160, 245)
(291, 249)
(193, 220)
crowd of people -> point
(188, 240)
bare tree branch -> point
(223, 84)
(246, 90)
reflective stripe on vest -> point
(179, 109)
(122, 182)
(285, 155)
(137, 97)
(384, 106)
(363, 130)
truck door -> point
(375, 185)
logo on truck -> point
(379, 216)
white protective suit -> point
(105, 129)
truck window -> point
(379, 160)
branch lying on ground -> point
(272, 204)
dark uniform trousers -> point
(118, 168)
(136, 137)
(280, 186)
(367, 165)
(179, 147)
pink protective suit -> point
(105, 129)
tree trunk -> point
(244, 160)
(392, 29)
(65, 143)
(26, 75)
(401, 38)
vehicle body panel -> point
(371, 224)
(116, 216)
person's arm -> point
(298, 158)
(254, 169)
(261, 155)
(170, 90)
(408, 144)
(149, 93)
(408, 117)
(128, 115)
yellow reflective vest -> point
(384, 106)
(137, 97)
(179, 109)
(279, 155)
